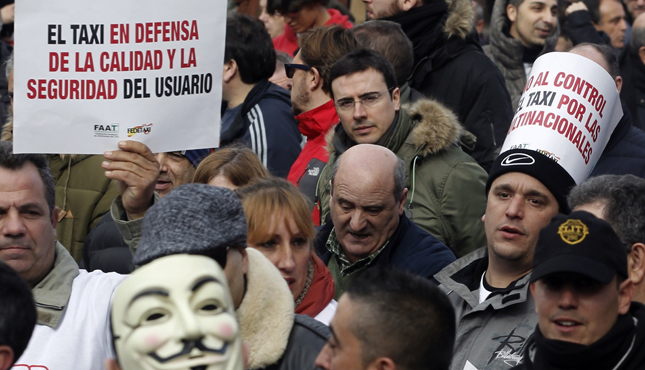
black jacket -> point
(632, 70)
(266, 124)
(306, 340)
(623, 345)
(625, 151)
(451, 67)
(410, 248)
(104, 249)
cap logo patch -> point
(573, 231)
(518, 159)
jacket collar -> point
(266, 314)
(53, 292)
(317, 121)
(433, 126)
(462, 277)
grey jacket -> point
(507, 52)
(490, 335)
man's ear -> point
(511, 13)
(396, 98)
(406, 5)
(230, 70)
(55, 215)
(404, 195)
(636, 263)
(625, 294)
(382, 363)
(619, 83)
(6, 357)
(641, 54)
(314, 79)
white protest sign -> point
(568, 110)
(91, 73)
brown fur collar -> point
(460, 20)
(436, 128)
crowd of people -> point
(359, 207)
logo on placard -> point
(549, 155)
(111, 130)
(573, 231)
(518, 159)
(143, 129)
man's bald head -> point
(604, 56)
(637, 38)
(365, 161)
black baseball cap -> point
(579, 243)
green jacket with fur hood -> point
(446, 187)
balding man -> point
(368, 226)
(625, 151)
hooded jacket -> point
(314, 125)
(507, 52)
(266, 124)
(451, 68)
(446, 187)
(288, 40)
(491, 335)
(620, 349)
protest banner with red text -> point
(91, 73)
(568, 110)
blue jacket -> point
(267, 125)
(625, 151)
(410, 249)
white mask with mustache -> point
(174, 313)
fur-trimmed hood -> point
(434, 128)
(266, 314)
(460, 19)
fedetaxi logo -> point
(518, 159)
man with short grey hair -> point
(368, 226)
(619, 200)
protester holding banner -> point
(564, 119)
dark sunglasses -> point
(290, 68)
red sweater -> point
(288, 41)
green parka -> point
(83, 195)
(446, 187)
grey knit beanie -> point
(193, 219)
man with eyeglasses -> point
(311, 101)
(446, 187)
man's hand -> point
(7, 13)
(135, 169)
(575, 7)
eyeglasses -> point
(290, 68)
(368, 100)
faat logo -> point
(111, 130)
(145, 129)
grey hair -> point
(13, 162)
(399, 176)
(624, 201)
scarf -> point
(321, 291)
